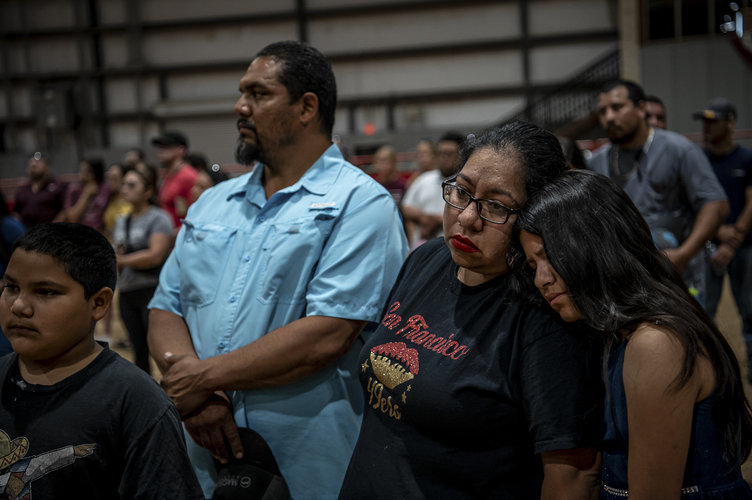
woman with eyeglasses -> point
(677, 422)
(142, 241)
(470, 393)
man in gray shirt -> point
(667, 177)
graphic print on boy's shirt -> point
(18, 472)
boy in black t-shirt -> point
(76, 419)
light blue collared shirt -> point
(329, 245)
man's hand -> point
(182, 382)
(722, 256)
(212, 427)
(730, 235)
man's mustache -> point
(246, 124)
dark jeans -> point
(740, 278)
(135, 316)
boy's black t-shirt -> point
(465, 387)
(106, 432)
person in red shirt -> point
(179, 177)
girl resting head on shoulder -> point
(677, 421)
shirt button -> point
(222, 345)
(233, 298)
(261, 218)
(247, 258)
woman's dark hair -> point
(215, 173)
(304, 69)
(150, 176)
(196, 160)
(602, 248)
(538, 152)
(97, 168)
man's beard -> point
(627, 136)
(247, 154)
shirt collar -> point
(320, 176)
(318, 179)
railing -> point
(573, 99)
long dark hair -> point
(602, 248)
(97, 168)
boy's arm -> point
(155, 464)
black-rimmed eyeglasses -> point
(489, 210)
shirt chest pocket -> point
(290, 256)
(663, 182)
(205, 256)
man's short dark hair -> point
(655, 99)
(634, 91)
(196, 160)
(452, 136)
(84, 253)
(305, 69)
(171, 138)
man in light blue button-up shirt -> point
(273, 276)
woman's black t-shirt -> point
(465, 387)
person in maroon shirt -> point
(86, 201)
(41, 199)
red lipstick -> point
(463, 244)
